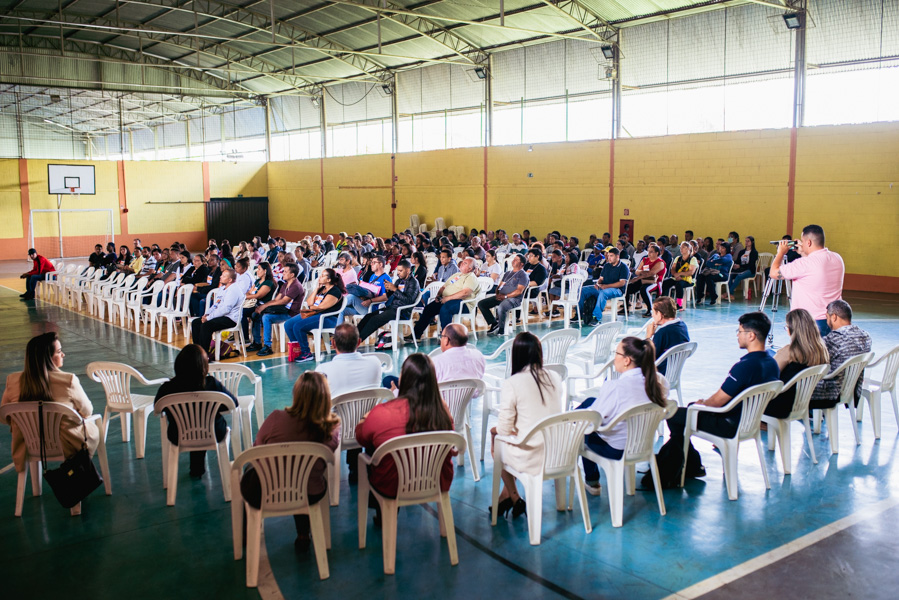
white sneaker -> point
(594, 490)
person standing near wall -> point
(817, 277)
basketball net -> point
(75, 194)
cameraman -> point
(817, 277)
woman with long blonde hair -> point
(806, 349)
(308, 419)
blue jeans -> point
(822, 326)
(600, 446)
(31, 283)
(602, 296)
(262, 327)
(735, 281)
(354, 305)
(446, 310)
(297, 328)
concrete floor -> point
(131, 545)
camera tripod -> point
(773, 289)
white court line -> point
(8, 467)
(771, 557)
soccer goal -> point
(70, 232)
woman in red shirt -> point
(647, 278)
(418, 408)
(309, 419)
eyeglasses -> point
(739, 331)
(621, 354)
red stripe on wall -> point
(206, 194)
(123, 201)
(25, 195)
(791, 181)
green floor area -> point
(131, 545)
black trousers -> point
(715, 424)
(705, 285)
(246, 317)
(251, 490)
(202, 332)
(641, 287)
(678, 285)
(197, 457)
(371, 322)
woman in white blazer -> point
(43, 379)
(531, 394)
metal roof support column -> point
(488, 102)
(268, 131)
(323, 116)
(19, 133)
(395, 116)
(799, 65)
(187, 137)
(616, 91)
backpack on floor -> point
(670, 460)
(589, 306)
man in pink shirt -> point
(817, 277)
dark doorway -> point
(237, 219)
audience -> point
(308, 419)
(806, 349)
(508, 296)
(665, 329)
(637, 384)
(370, 290)
(716, 270)
(531, 394)
(224, 313)
(844, 341)
(404, 292)
(286, 304)
(44, 380)
(744, 264)
(647, 278)
(458, 287)
(192, 375)
(261, 292)
(682, 272)
(610, 284)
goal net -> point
(70, 232)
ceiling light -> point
(608, 52)
(316, 102)
(48, 121)
(481, 72)
(387, 89)
(793, 20)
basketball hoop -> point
(75, 194)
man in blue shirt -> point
(754, 368)
(610, 284)
(717, 269)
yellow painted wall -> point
(73, 224)
(711, 183)
(357, 194)
(147, 182)
(847, 181)
(442, 183)
(294, 194)
(10, 201)
(229, 180)
(568, 190)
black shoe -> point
(493, 329)
(197, 474)
(502, 508)
(410, 339)
(353, 478)
(23, 295)
(520, 508)
(26, 297)
(302, 543)
(590, 322)
(647, 314)
(254, 347)
(264, 351)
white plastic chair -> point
(117, 296)
(100, 291)
(676, 357)
(642, 423)
(494, 376)
(590, 353)
(754, 400)
(398, 322)
(237, 330)
(159, 304)
(116, 381)
(284, 471)
(180, 309)
(194, 414)
(851, 370)
(779, 429)
(56, 284)
(419, 459)
(385, 358)
(82, 287)
(468, 309)
(556, 344)
(45, 285)
(26, 417)
(351, 407)
(563, 439)
(457, 395)
(230, 376)
(134, 304)
(75, 283)
(763, 262)
(570, 296)
(873, 389)
(321, 330)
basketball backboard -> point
(70, 179)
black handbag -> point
(76, 477)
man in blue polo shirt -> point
(754, 368)
(610, 284)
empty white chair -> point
(563, 439)
(117, 297)
(82, 287)
(230, 376)
(457, 395)
(588, 355)
(754, 400)
(494, 376)
(758, 282)
(779, 429)
(194, 414)
(100, 291)
(351, 407)
(570, 296)
(26, 416)
(134, 304)
(116, 381)
(873, 389)
(851, 370)
(676, 356)
(284, 471)
(642, 423)
(180, 309)
(55, 282)
(419, 459)
(556, 344)
(386, 360)
(161, 303)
